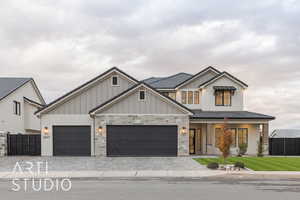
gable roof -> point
(133, 88)
(199, 114)
(85, 85)
(221, 75)
(210, 68)
(169, 82)
(33, 102)
(9, 85)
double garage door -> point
(141, 140)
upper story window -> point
(142, 95)
(223, 97)
(190, 97)
(172, 95)
(115, 81)
(17, 108)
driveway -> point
(103, 163)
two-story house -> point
(116, 115)
(19, 99)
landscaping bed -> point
(259, 163)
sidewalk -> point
(113, 174)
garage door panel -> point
(71, 140)
(142, 140)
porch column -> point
(265, 137)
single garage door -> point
(141, 140)
(71, 140)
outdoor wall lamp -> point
(183, 130)
(100, 130)
(46, 130)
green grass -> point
(260, 163)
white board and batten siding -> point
(92, 97)
(153, 104)
(194, 84)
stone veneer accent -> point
(180, 121)
(3, 144)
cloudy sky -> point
(63, 43)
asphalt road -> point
(231, 188)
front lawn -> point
(260, 163)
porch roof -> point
(199, 114)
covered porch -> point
(246, 127)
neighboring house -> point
(116, 115)
(19, 99)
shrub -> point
(213, 165)
(239, 165)
(242, 149)
(260, 147)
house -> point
(116, 115)
(19, 99)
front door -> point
(192, 141)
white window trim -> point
(17, 108)
(112, 78)
(187, 96)
(140, 95)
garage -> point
(142, 140)
(71, 140)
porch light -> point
(100, 129)
(46, 130)
(183, 130)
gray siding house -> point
(116, 115)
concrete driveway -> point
(103, 163)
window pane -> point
(219, 98)
(172, 95)
(233, 136)
(196, 97)
(115, 80)
(183, 97)
(142, 95)
(243, 135)
(218, 132)
(190, 97)
(227, 98)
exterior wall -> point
(180, 121)
(31, 122)
(10, 122)
(3, 144)
(199, 80)
(153, 104)
(253, 138)
(208, 97)
(62, 120)
(93, 96)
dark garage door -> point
(141, 140)
(71, 140)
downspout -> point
(94, 135)
(206, 139)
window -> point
(142, 95)
(218, 132)
(115, 81)
(196, 97)
(243, 136)
(190, 97)
(233, 137)
(183, 97)
(17, 108)
(223, 98)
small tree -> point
(260, 147)
(225, 140)
(242, 149)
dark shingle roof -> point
(9, 85)
(229, 115)
(168, 82)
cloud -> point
(257, 41)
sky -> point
(64, 43)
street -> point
(225, 187)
